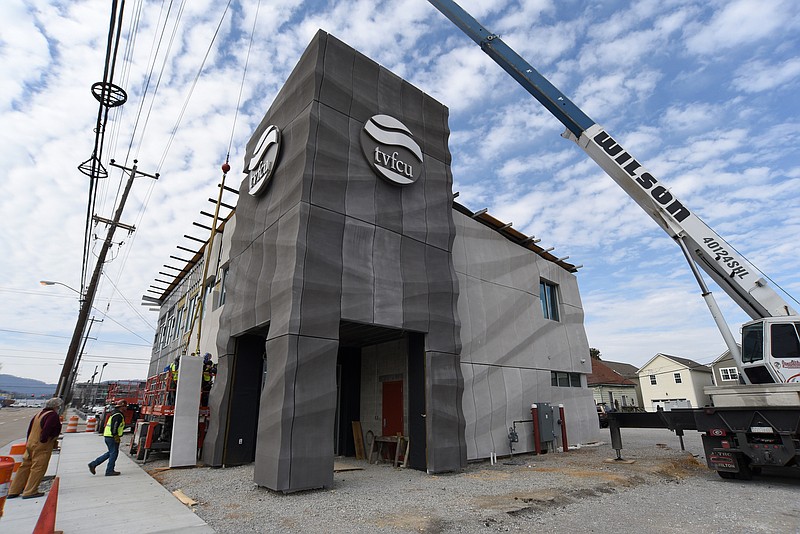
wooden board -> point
(185, 499)
(359, 440)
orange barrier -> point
(91, 424)
(47, 519)
(72, 426)
(6, 470)
(17, 452)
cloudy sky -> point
(702, 92)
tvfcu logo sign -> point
(265, 155)
(391, 150)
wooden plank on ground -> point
(339, 467)
(185, 499)
(358, 438)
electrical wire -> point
(191, 90)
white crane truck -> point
(752, 425)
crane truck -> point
(750, 426)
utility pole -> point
(64, 384)
(73, 376)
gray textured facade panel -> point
(285, 288)
(361, 181)
(415, 285)
(443, 325)
(470, 411)
(314, 414)
(322, 274)
(479, 395)
(336, 88)
(357, 272)
(497, 409)
(365, 88)
(276, 415)
(389, 92)
(438, 205)
(436, 124)
(445, 416)
(389, 206)
(263, 289)
(386, 265)
(331, 156)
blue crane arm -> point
(529, 78)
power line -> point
(68, 337)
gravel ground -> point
(663, 490)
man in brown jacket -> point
(43, 430)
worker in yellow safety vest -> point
(173, 367)
(115, 426)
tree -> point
(594, 353)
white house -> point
(671, 382)
(725, 370)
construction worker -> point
(209, 371)
(173, 368)
(43, 430)
(115, 426)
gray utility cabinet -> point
(546, 425)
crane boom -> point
(732, 271)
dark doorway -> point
(348, 400)
(247, 371)
(417, 433)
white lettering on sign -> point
(265, 156)
(391, 150)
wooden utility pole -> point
(87, 299)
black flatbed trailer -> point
(738, 441)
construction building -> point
(347, 286)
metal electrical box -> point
(546, 425)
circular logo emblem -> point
(391, 150)
(262, 164)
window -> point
(565, 380)
(548, 294)
(652, 380)
(752, 343)
(222, 286)
(677, 378)
(729, 373)
(785, 340)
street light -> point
(53, 283)
(70, 365)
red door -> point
(392, 408)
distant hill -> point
(25, 387)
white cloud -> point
(738, 23)
(760, 76)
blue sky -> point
(703, 93)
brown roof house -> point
(611, 388)
(631, 372)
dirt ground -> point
(511, 495)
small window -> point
(652, 380)
(677, 378)
(729, 373)
(548, 294)
(565, 380)
(223, 287)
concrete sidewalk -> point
(86, 502)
